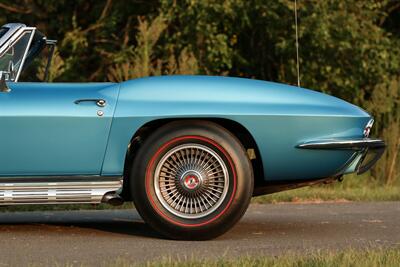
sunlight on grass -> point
(353, 188)
(351, 257)
(389, 257)
(329, 193)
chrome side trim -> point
(56, 190)
(64, 178)
(355, 144)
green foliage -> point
(207, 27)
(350, 49)
(141, 61)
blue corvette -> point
(190, 151)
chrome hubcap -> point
(191, 181)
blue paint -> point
(278, 116)
(44, 133)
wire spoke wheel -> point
(191, 181)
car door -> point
(55, 128)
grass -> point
(369, 258)
(332, 193)
(320, 194)
(353, 188)
(389, 257)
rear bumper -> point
(367, 151)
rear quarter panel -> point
(278, 116)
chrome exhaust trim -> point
(112, 199)
(57, 190)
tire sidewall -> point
(235, 159)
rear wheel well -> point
(235, 128)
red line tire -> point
(191, 180)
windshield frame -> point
(9, 39)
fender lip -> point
(363, 146)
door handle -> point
(99, 102)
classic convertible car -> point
(189, 151)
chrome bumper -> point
(369, 149)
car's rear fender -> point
(278, 117)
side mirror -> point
(3, 84)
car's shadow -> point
(126, 222)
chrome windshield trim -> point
(355, 144)
(4, 45)
(15, 32)
(12, 28)
(25, 53)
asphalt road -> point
(100, 237)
